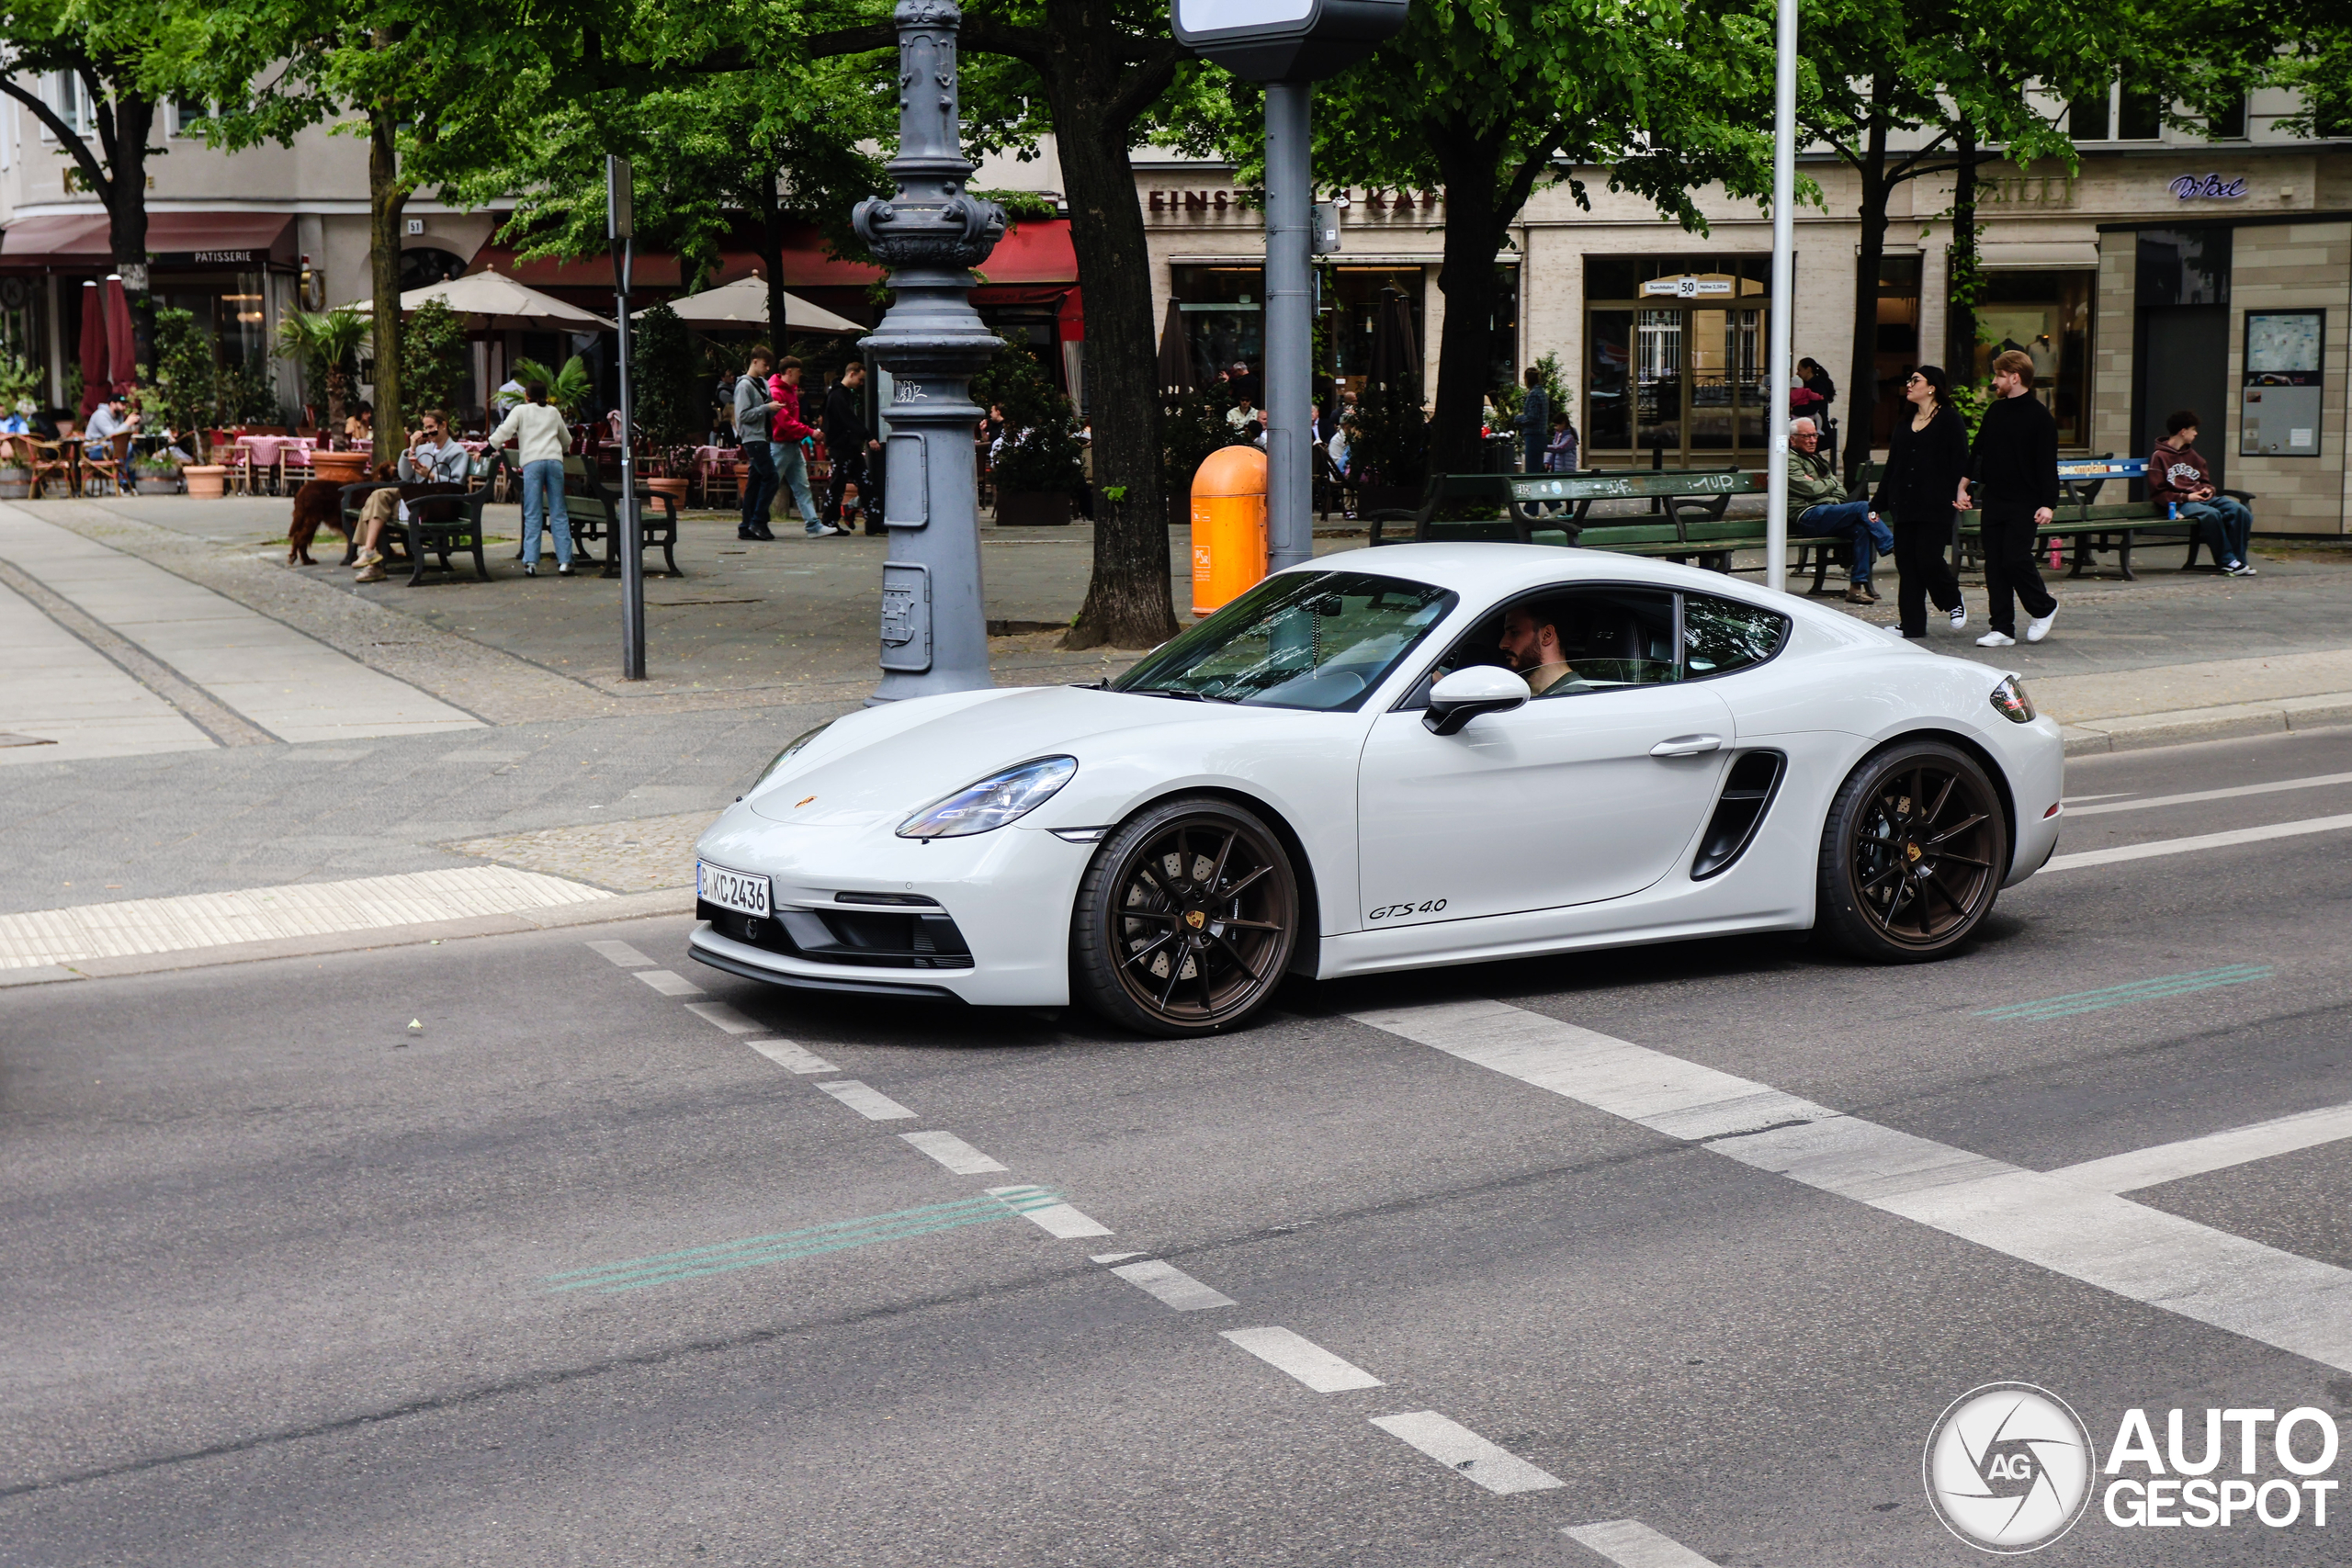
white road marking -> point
(1174, 1287)
(725, 1016)
(668, 983)
(2317, 781)
(2201, 841)
(1301, 1358)
(620, 952)
(952, 1151)
(1113, 1257)
(791, 1057)
(194, 920)
(2139, 1253)
(1465, 1453)
(2214, 1151)
(870, 1103)
(1058, 1220)
(1630, 1543)
(2069, 800)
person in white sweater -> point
(541, 438)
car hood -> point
(884, 763)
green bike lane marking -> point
(2153, 989)
(837, 1235)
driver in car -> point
(1531, 642)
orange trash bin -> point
(1228, 527)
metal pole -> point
(930, 231)
(632, 533)
(1290, 336)
(1784, 190)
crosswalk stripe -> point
(1630, 1543)
(2214, 1151)
(2157, 846)
(2317, 781)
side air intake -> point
(1747, 794)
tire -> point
(1912, 855)
(1185, 920)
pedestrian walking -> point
(2015, 465)
(2179, 476)
(541, 438)
(1817, 506)
(1533, 419)
(1924, 467)
(1560, 456)
(753, 408)
(849, 443)
(785, 451)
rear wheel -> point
(1186, 920)
(1913, 854)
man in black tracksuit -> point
(847, 442)
(2015, 465)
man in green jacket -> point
(1818, 506)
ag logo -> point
(2008, 1468)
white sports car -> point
(1431, 755)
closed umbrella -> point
(1176, 377)
(1395, 358)
(122, 370)
(94, 350)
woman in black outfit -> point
(1915, 499)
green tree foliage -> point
(183, 391)
(1040, 450)
(568, 388)
(671, 391)
(432, 352)
(325, 343)
(1192, 426)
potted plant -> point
(326, 345)
(156, 473)
(1036, 466)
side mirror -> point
(1465, 694)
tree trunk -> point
(771, 258)
(1470, 167)
(127, 224)
(1128, 598)
(1960, 308)
(387, 197)
(1862, 382)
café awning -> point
(179, 240)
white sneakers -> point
(1960, 617)
(2239, 569)
(1996, 639)
(368, 559)
(2038, 626)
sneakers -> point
(368, 559)
(1996, 639)
(372, 572)
(530, 569)
(1960, 617)
(823, 531)
(564, 571)
(2238, 569)
(2038, 627)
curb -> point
(596, 912)
(2138, 731)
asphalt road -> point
(569, 1273)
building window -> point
(2229, 124)
(1223, 309)
(186, 113)
(1503, 366)
(2048, 315)
(72, 101)
(2140, 114)
(1896, 347)
(1673, 357)
(1351, 297)
(2087, 117)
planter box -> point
(15, 483)
(1033, 509)
(206, 482)
(674, 489)
(157, 484)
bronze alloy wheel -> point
(1186, 920)
(1913, 854)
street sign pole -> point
(1290, 328)
(1784, 190)
(622, 228)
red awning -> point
(174, 239)
(650, 269)
(1035, 251)
(1032, 252)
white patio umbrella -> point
(492, 297)
(744, 302)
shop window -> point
(1351, 300)
(2140, 114)
(1895, 349)
(1610, 278)
(1503, 366)
(2048, 315)
(1223, 309)
(2182, 266)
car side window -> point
(1719, 635)
(1573, 641)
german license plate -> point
(736, 890)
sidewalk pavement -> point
(182, 714)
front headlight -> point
(781, 757)
(992, 803)
(2010, 699)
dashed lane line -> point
(1174, 1287)
(621, 953)
(870, 1103)
(668, 982)
(1302, 1359)
(953, 1153)
(2141, 1253)
(2157, 846)
(1465, 1453)
(791, 1057)
(2318, 781)
(2214, 1151)
(2155, 988)
(1630, 1543)
(719, 1015)
(1057, 1219)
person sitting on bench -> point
(2179, 476)
(1817, 506)
(433, 456)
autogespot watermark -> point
(2010, 1468)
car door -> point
(1592, 790)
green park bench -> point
(594, 512)
(444, 520)
(1519, 507)
(2116, 526)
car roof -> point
(1478, 569)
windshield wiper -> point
(1180, 693)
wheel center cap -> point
(1911, 852)
(1196, 919)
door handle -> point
(1687, 746)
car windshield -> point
(1298, 640)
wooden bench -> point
(1519, 506)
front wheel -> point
(1912, 855)
(1185, 920)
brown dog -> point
(319, 503)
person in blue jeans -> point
(541, 438)
(1817, 506)
(2179, 475)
